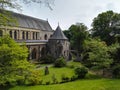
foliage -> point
(47, 59)
(33, 78)
(114, 51)
(60, 62)
(116, 71)
(104, 24)
(13, 63)
(96, 54)
(64, 78)
(77, 34)
(81, 72)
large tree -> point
(104, 24)
(96, 54)
(13, 61)
(77, 34)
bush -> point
(73, 78)
(65, 79)
(60, 62)
(81, 72)
(47, 59)
(116, 71)
(33, 78)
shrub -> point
(60, 62)
(81, 72)
(116, 71)
(33, 78)
(65, 78)
(47, 59)
(73, 78)
(48, 82)
(54, 79)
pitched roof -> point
(58, 34)
(31, 22)
(25, 21)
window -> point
(23, 35)
(10, 34)
(45, 37)
(15, 35)
(27, 35)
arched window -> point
(23, 35)
(10, 34)
(1, 33)
(36, 35)
(45, 37)
(15, 35)
(34, 53)
(33, 35)
(27, 35)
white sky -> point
(68, 12)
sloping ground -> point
(97, 84)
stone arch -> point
(45, 37)
(15, 34)
(1, 33)
(34, 53)
(43, 51)
(10, 32)
(23, 35)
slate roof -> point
(25, 21)
(58, 34)
(31, 22)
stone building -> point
(58, 44)
(36, 33)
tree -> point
(78, 34)
(96, 54)
(104, 24)
(13, 64)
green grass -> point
(57, 72)
(96, 84)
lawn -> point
(96, 84)
(57, 73)
(85, 84)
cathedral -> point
(38, 36)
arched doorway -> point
(43, 51)
(34, 53)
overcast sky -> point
(68, 12)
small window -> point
(45, 37)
